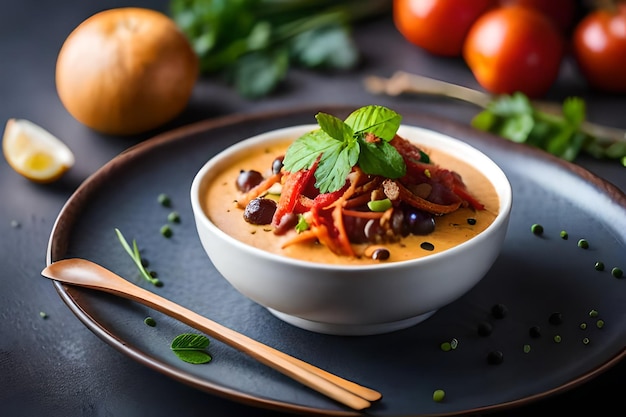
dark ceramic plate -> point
(534, 277)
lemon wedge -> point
(34, 152)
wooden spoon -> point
(88, 274)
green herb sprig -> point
(136, 257)
(565, 135)
(252, 43)
(341, 145)
(191, 348)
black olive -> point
(247, 180)
(260, 211)
(418, 222)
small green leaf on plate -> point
(191, 348)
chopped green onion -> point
(379, 205)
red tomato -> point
(514, 49)
(438, 26)
(562, 12)
(600, 49)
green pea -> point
(599, 266)
(564, 235)
(173, 217)
(583, 244)
(526, 348)
(164, 200)
(600, 324)
(166, 231)
(617, 272)
(537, 229)
(149, 321)
(379, 205)
(439, 395)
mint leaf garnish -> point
(362, 139)
(191, 348)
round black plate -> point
(534, 277)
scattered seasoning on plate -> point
(43, 314)
(164, 200)
(535, 332)
(583, 244)
(537, 229)
(555, 318)
(150, 321)
(166, 231)
(427, 246)
(173, 217)
(449, 345)
(583, 326)
(499, 311)
(593, 313)
(471, 221)
(485, 328)
(439, 395)
(586, 340)
(495, 357)
(617, 272)
(564, 235)
(600, 324)
(599, 266)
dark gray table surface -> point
(56, 366)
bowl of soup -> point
(385, 278)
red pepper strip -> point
(415, 169)
(293, 185)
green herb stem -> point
(136, 257)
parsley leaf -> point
(341, 145)
(253, 43)
(191, 348)
(515, 118)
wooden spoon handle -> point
(88, 274)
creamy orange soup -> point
(450, 229)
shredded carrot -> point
(364, 214)
(258, 190)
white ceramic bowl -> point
(352, 300)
